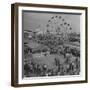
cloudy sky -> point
(34, 20)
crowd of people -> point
(70, 66)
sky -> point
(35, 20)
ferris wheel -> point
(58, 25)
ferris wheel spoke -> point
(58, 24)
